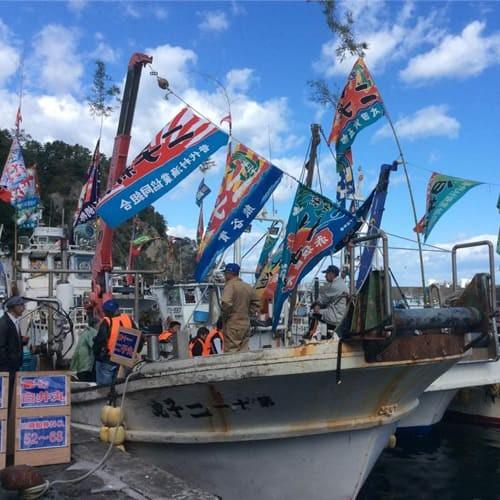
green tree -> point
(320, 92)
(103, 93)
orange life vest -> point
(192, 344)
(213, 334)
(115, 324)
(164, 336)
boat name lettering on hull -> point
(168, 408)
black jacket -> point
(11, 349)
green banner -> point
(442, 192)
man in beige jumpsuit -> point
(239, 301)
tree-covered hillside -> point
(61, 170)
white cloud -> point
(437, 265)
(214, 21)
(77, 5)
(105, 53)
(55, 64)
(426, 122)
(239, 79)
(181, 231)
(131, 11)
(9, 54)
(387, 39)
(160, 13)
(457, 56)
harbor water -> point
(453, 461)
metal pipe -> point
(136, 300)
(79, 271)
(491, 258)
(153, 348)
(461, 319)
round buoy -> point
(117, 435)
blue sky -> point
(436, 65)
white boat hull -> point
(321, 467)
(468, 376)
(276, 416)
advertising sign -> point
(43, 391)
(43, 432)
(126, 347)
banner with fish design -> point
(89, 195)
(359, 106)
(202, 192)
(177, 150)
(247, 184)
(442, 192)
(316, 227)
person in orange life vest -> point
(165, 338)
(214, 343)
(197, 344)
(105, 340)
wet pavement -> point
(121, 477)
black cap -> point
(332, 269)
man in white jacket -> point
(332, 300)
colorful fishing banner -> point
(89, 195)
(13, 181)
(265, 285)
(359, 106)
(137, 244)
(200, 229)
(203, 191)
(377, 210)
(442, 192)
(177, 150)
(345, 185)
(316, 227)
(28, 209)
(248, 182)
(265, 253)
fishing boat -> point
(289, 421)
(476, 376)
(227, 415)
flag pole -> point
(412, 201)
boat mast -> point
(309, 166)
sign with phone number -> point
(43, 432)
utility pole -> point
(310, 165)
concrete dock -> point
(122, 476)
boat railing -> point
(492, 299)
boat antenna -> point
(402, 161)
(19, 117)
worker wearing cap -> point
(332, 301)
(11, 342)
(239, 302)
(105, 340)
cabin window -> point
(173, 296)
(189, 296)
